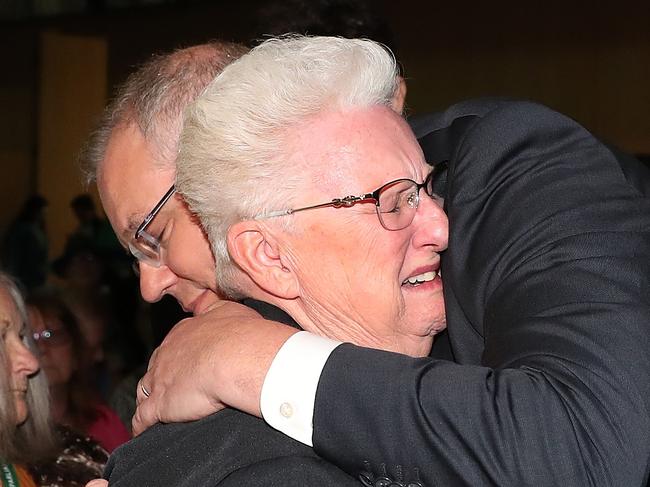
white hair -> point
(33, 439)
(233, 161)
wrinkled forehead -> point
(358, 147)
(131, 180)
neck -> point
(332, 323)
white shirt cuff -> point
(289, 389)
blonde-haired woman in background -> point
(25, 433)
(32, 452)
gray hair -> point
(233, 163)
(153, 99)
(34, 439)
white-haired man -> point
(548, 323)
(132, 156)
(198, 341)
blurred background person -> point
(31, 451)
(92, 227)
(101, 289)
(95, 233)
(25, 435)
(115, 344)
(25, 247)
(82, 286)
(67, 363)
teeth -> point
(420, 278)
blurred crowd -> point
(83, 316)
(92, 278)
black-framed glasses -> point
(396, 202)
(51, 337)
(144, 246)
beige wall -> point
(17, 144)
(15, 183)
(605, 88)
(592, 64)
(72, 93)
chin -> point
(427, 316)
(21, 413)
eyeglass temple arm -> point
(336, 203)
(155, 210)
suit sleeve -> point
(547, 293)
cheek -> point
(371, 259)
(61, 363)
(385, 263)
(346, 252)
(388, 257)
(189, 254)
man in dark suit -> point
(546, 287)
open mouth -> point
(420, 278)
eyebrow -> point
(133, 223)
(127, 234)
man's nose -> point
(431, 225)
(154, 281)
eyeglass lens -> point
(397, 204)
(51, 337)
(146, 248)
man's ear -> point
(254, 248)
(399, 98)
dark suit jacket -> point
(228, 449)
(547, 287)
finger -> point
(142, 392)
(144, 416)
(97, 483)
(152, 359)
(136, 421)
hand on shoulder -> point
(207, 362)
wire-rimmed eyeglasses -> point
(144, 246)
(396, 202)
